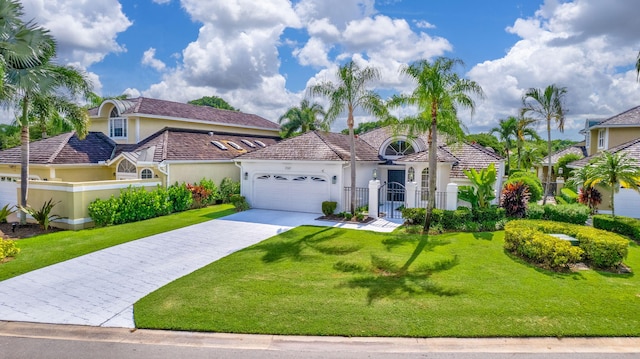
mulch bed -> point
(25, 231)
(334, 218)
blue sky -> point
(261, 55)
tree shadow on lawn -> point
(290, 246)
(567, 274)
(403, 239)
(383, 278)
(487, 236)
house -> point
(579, 149)
(314, 167)
(619, 133)
(139, 141)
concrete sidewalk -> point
(99, 289)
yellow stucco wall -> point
(188, 172)
(619, 136)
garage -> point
(8, 191)
(286, 192)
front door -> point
(395, 185)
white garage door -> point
(299, 193)
(627, 203)
(8, 191)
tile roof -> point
(471, 155)
(578, 149)
(632, 148)
(315, 146)
(629, 118)
(142, 106)
(174, 144)
(377, 137)
(66, 148)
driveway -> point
(99, 289)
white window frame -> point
(118, 123)
(145, 170)
(602, 139)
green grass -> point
(329, 281)
(41, 251)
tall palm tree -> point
(59, 113)
(522, 131)
(350, 93)
(303, 119)
(547, 105)
(507, 130)
(613, 170)
(638, 67)
(531, 156)
(438, 94)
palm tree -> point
(638, 67)
(507, 129)
(303, 119)
(613, 170)
(547, 104)
(522, 132)
(531, 156)
(438, 93)
(59, 113)
(351, 93)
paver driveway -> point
(99, 289)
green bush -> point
(515, 199)
(103, 212)
(569, 195)
(413, 216)
(214, 193)
(627, 226)
(329, 207)
(492, 213)
(531, 181)
(239, 202)
(228, 187)
(601, 248)
(463, 219)
(568, 213)
(180, 197)
(8, 248)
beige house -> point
(139, 141)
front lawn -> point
(329, 281)
(41, 251)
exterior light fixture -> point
(246, 176)
(334, 179)
(411, 174)
(375, 174)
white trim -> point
(184, 119)
(87, 188)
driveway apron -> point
(99, 289)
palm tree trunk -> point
(433, 163)
(613, 208)
(546, 185)
(352, 155)
(24, 159)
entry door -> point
(395, 185)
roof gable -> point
(629, 118)
(632, 148)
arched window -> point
(398, 148)
(146, 173)
(117, 125)
(424, 183)
(126, 170)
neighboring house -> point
(542, 168)
(134, 141)
(302, 172)
(619, 133)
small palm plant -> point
(5, 212)
(43, 216)
(614, 170)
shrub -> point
(531, 181)
(492, 213)
(627, 226)
(214, 193)
(602, 249)
(590, 197)
(568, 213)
(413, 216)
(103, 212)
(227, 188)
(180, 197)
(5, 212)
(568, 195)
(200, 195)
(8, 248)
(328, 207)
(515, 199)
(134, 204)
(239, 202)
(535, 211)
(43, 215)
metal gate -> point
(391, 197)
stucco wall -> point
(190, 172)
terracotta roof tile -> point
(315, 146)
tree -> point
(522, 131)
(638, 67)
(613, 170)
(547, 105)
(349, 94)
(507, 130)
(303, 119)
(371, 125)
(486, 140)
(29, 79)
(213, 101)
(438, 94)
(96, 100)
(59, 114)
(561, 165)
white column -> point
(410, 195)
(452, 197)
(374, 185)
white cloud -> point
(424, 24)
(148, 58)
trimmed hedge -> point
(462, 219)
(531, 239)
(568, 213)
(627, 226)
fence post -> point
(410, 196)
(452, 197)
(374, 185)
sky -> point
(262, 55)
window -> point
(117, 125)
(261, 143)
(280, 178)
(264, 177)
(601, 138)
(398, 148)
(146, 174)
(126, 167)
(318, 179)
(300, 178)
(424, 183)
